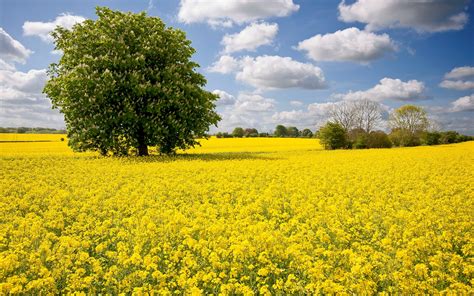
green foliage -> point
(333, 136)
(360, 142)
(431, 138)
(292, 132)
(280, 131)
(408, 124)
(449, 137)
(126, 81)
(307, 133)
(403, 138)
(238, 132)
(378, 139)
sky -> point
(272, 61)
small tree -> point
(280, 131)
(333, 136)
(126, 80)
(250, 132)
(408, 123)
(238, 132)
(307, 133)
(292, 132)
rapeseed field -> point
(237, 216)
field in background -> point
(237, 216)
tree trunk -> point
(142, 150)
(142, 146)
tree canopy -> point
(127, 81)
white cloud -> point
(274, 72)
(250, 38)
(225, 65)
(226, 13)
(32, 81)
(42, 29)
(248, 110)
(11, 50)
(254, 103)
(296, 103)
(6, 66)
(22, 102)
(315, 115)
(465, 103)
(457, 84)
(389, 89)
(458, 74)
(423, 16)
(350, 44)
(224, 98)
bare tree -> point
(361, 114)
(367, 114)
(343, 114)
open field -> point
(248, 216)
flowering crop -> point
(238, 216)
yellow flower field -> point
(237, 216)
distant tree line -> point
(280, 131)
(352, 125)
(31, 130)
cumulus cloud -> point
(12, 50)
(225, 65)
(296, 103)
(43, 29)
(423, 16)
(350, 44)
(314, 116)
(389, 89)
(465, 103)
(271, 72)
(22, 102)
(224, 98)
(247, 102)
(250, 38)
(248, 110)
(457, 84)
(458, 74)
(274, 72)
(226, 13)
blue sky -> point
(275, 61)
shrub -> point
(378, 139)
(449, 137)
(333, 136)
(431, 138)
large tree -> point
(410, 118)
(362, 114)
(408, 124)
(127, 81)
